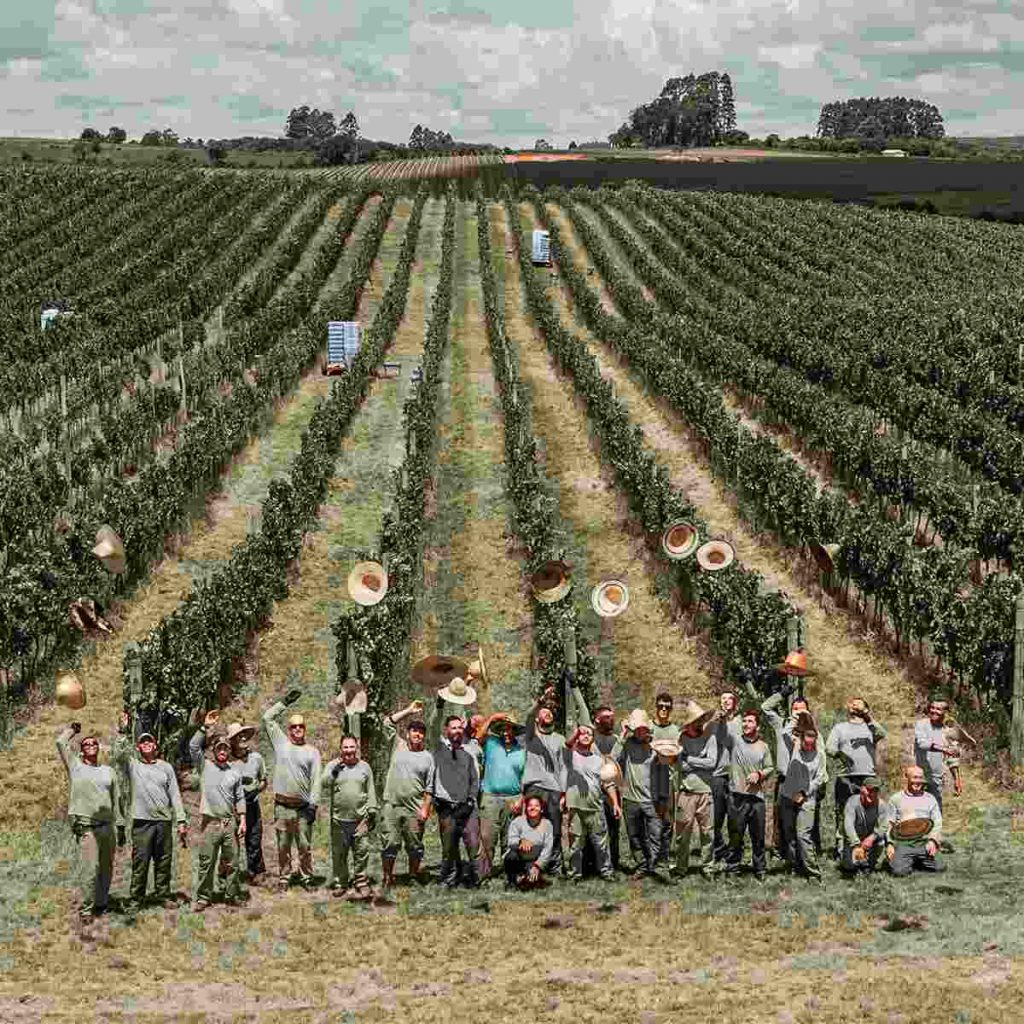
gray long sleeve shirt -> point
(746, 756)
(697, 761)
(453, 775)
(860, 821)
(542, 837)
(724, 729)
(93, 790)
(933, 762)
(154, 787)
(296, 765)
(545, 764)
(221, 791)
(781, 728)
(636, 760)
(583, 780)
(806, 774)
(852, 743)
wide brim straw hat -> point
(437, 670)
(915, 828)
(458, 691)
(715, 555)
(610, 773)
(367, 583)
(498, 726)
(242, 732)
(352, 699)
(795, 665)
(680, 540)
(638, 719)
(804, 723)
(551, 582)
(610, 598)
(667, 750)
(69, 691)
(109, 550)
(692, 712)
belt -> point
(287, 800)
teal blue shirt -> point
(503, 769)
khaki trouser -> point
(588, 827)
(218, 847)
(354, 837)
(291, 828)
(692, 809)
(495, 816)
(96, 851)
(401, 827)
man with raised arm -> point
(452, 790)
(750, 763)
(155, 808)
(661, 773)
(406, 806)
(605, 740)
(500, 799)
(852, 743)
(296, 784)
(935, 750)
(866, 821)
(250, 765)
(782, 730)
(585, 803)
(94, 801)
(636, 757)
(698, 757)
(352, 799)
(221, 820)
(544, 771)
(803, 785)
(914, 827)
(724, 725)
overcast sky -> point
(501, 71)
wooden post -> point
(569, 649)
(64, 424)
(1017, 721)
(220, 313)
(792, 633)
(181, 387)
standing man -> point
(296, 790)
(544, 771)
(529, 847)
(221, 822)
(452, 789)
(352, 799)
(724, 725)
(782, 729)
(852, 743)
(661, 773)
(636, 757)
(406, 807)
(155, 808)
(605, 740)
(698, 758)
(500, 800)
(802, 787)
(750, 763)
(94, 813)
(250, 765)
(935, 749)
(915, 827)
(866, 821)
(585, 804)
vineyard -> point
(838, 393)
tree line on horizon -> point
(880, 118)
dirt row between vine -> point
(642, 651)
(845, 658)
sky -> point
(501, 71)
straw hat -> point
(498, 726)
(551, 582)
(680, 540)
(858, 855)
(638, 719)
(856, 706)
(69, 691)
(804, 723)
(244, 732)
(296, 719)
(693, 712)
(352, 699)
(715, 555)
(109, 550)
(610, 773)
(795, 664)
(458, 691)
(478, 668)
(915, 828)
(667, 750)
(610, 598)
(438, 670)
(367, 583)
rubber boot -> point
(388, 872)
(414, 869)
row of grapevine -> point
(748, 625)
(183, 660)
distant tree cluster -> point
(421, 138)
(114, 135)
(691, 111)
(154, 138)
(889, 117)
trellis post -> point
(1017, 720)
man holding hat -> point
(726, 727)
(782, 730)
(500, 800)
(663, 730)
(698, 756)
(155, 807)
(297, 780)
(94, 813)
(802, 786)
(750, 763)
(222, 821)
(406, 807)
(250, 765)
(353, 808)
(935, 750)
(544, 770)
(852, 743)
(914, 827)
(585, 802)
(866, 821)
(636, 758)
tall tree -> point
(416, 137)
(726, 105)
(349, 126)
(116, 134)
(297, 125)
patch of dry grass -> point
(649, 652)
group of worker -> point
(500, 791)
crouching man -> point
(530, 846)
(865, 819)
(353, 807)
(915, 827)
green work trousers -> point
(218, 848)
(401, 828)
(796, 822)
(96, 851)
(588, 828)
(692, 810)
(152, 842)
(293, 829)
(495, 817)
(349, 837)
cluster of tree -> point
(421, 138)
(114, 135)
(877, 119)
(318, 126)
(690, 111)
